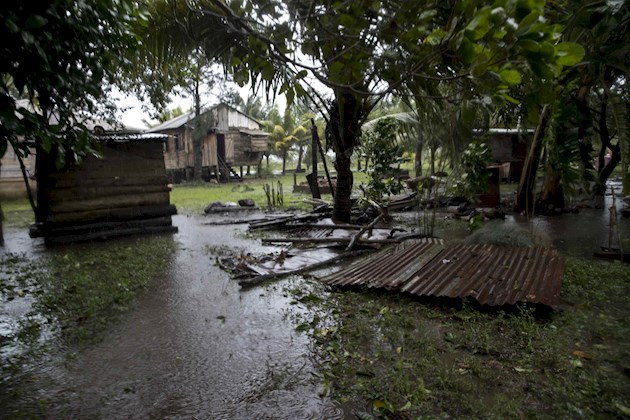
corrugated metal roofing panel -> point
(132, 137)
(254, 132)
(492, 275)
(173, 123)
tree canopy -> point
(61, 56)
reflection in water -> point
(194, 346)
(578, 234)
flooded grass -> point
(395, 356)
(68, 298)
(17, 213)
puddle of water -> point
(194, 345)
(578, 234)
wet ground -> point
(193, 346)
(197, 346)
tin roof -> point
(490, 274)
(254, 132)
(122, 137)
(173, 123)
(179, 121)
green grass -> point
(79, 291)
(406, 358)
(194, 197)
(75, 294)
(17, 212)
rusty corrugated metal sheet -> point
(491, 274)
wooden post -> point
(314, 147)
(321, 152)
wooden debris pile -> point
(310, 241)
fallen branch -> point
(363, 230)
(254, 281)
(342, 240)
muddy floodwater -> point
(194, 345)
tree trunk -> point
(342, 209)
(553, 194)
(343, 132)
(298, 167)
(432, 160)
(284, 162)
(604, 170)
(525, 195)
(418, 160)
(197, 135)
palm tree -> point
(285, 136)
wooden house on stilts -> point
(229, 139)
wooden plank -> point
(111, 214)
(103, 235)
(42, 230)
(338, 240)
(114, 201)
(83, 192)
(111, 181)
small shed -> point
(125, 192)
(230, 139)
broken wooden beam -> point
(363, 230)
(254, 281)
(341, 240)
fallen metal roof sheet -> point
(491, 274)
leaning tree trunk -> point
(525, 195)
(552, 194)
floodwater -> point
(197, 346)
(193, 346)
(581, 234)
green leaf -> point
(336, 68)
(301, 74)
(346, 20)
(510, 76)
(303, 327)
(480, 25)
(569, 53)
(527, 22)
(529, 45)
(510, 99)
(35, 21)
